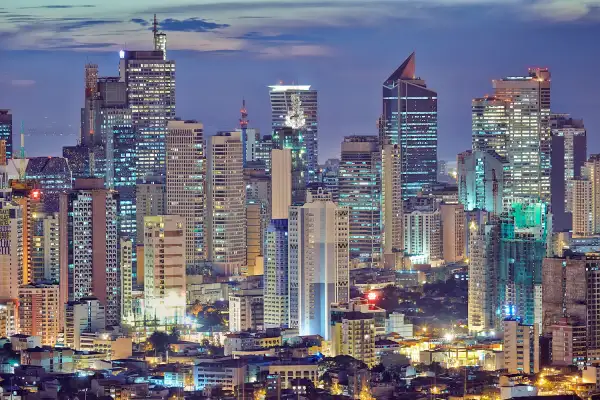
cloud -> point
(297, 51)
(58, 6)
(277, 37)
(22, 82)
(184, 25)
(139, 21)
(71, 26)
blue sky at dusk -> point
(229, 50)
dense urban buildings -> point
(6, 132)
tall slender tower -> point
(186, 177)
(6, 132)
(410, 120)
(160, 39)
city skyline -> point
(212, 82)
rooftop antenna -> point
(244, 125)
(155, 26)
(22, 155)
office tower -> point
(293, 139)
(246, 310)
(160, 39)
(9, 317)
(43, 248)
(185, 184)
(90, 113)
(410, 120)
(226, 204)
(263, 152)
(296, 107)
(53, 177)
(318, 264)
(6, 128)
(360, 192)
(39, 309)
(521, 347)
(582, 207)
(11, 245)
(89, 246)
(150, 80)
(524, 237)
(569, 153)
(453, 232)
(422, 230)
(164, 268)
(84, 315)
(483, 180)
(391, 202)
(281, 179)
(483, 259)
(254, 263)
(529, 138)
(564, 290)
(151, 200)
(86, 162)
(490, 119)
(258, 214)
(276, 290)
(3, 159)
(126, 266)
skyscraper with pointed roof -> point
(410, 120)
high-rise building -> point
(226, 204)
(85, 162)
(521, 347)
(258, 214)
(360, 192)
(160, 39)
(150, 81)
(126, 266)
(246, 310)
(281, 178)
(453, 232)
(318, 264)
(151, 200)
(593, 304)
(483, 179)
(423, 230)
(263, 152)
(164, 268)
(529, 139)
(293, 139)
(276, 290)
(582, 207)
(490, 116)
(6, 131)
(52, 176)
(84, 315)
(410, 120)
(569, 153)
(591, 172)
(391, 202)
(11, 246)
(39, 309)
(358, 337)
(9, 317)
(89, 246)
(44, 248)
(296, 107)
(185, 184)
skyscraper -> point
(582, 207)
(185, 183)
(318, 264)
(226, 204)
(150, 81)
(52, 176)
(11, 246)
(529, 138)
(591, 172)
(360, 192)
(281, 179)
(89, 246)
(296, 107)
(6, 130)
(39, 309)
(410, 120)
(276, 290)
(569, 152)
(423, 230)
(482, 180)
(391, 203)
(490, 119)
(293, 139)
(164, 268)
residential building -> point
(591, 172)
(246, 310)
(39, 309)
(354, 335)
(293, 140)
(9, 317)
(410, 120)
(391, 203)
(185, 184)
(582, 207)
(52, 359)
(521, 348)
(227, 374)
(276, 290)
(396, 323)
(298, 368)
(164, 268)
(126, 266)
(360, 191)
(483, 179)
(422, 230)
(6, 132)
(84, 315)
(569, 343)
(318, 264)
(281, 178)
(226, 204)
(490, 116)
(89, 246)
(11, 247)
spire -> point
(155, 26)
(244, 119)
(406, 70)
(22, 155)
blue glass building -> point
(6, 127)
(410, 119)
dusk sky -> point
(229, 50)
